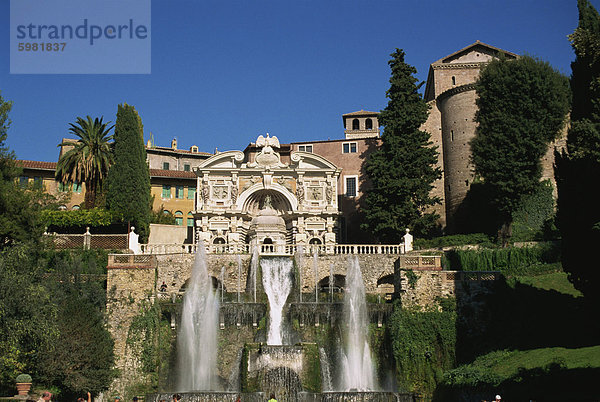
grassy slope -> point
(506, 364)
(552, 281)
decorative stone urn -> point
(23, 384)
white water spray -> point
(253, 270)
(277, 282)
(358, 372)
(197, 336)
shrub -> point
(452, 240)
(424, 346)
(80, 217)
(23, 378)
(509, 260)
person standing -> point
(46, 396)
(89, 398)
(272, 398)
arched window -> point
(355, 125)
(179, 218)
(369, 124)
(190, 219)
(315, 240)
(453, 80)
(219, 240)
(267, 241)
(75, 207)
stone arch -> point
(385, 286)
(216, 284)
(219, 240)
(252, 199)
(355, 124)
(339, 283)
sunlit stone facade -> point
(262, 198)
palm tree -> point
(89, 159)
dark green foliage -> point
(129, 179)
(19, 217)
(535, 215)
(27, 315)
(82, 359)
(577, 170)
(150, 337)
(403, 170)
(51, 322)
(423, 345)
(522, 106)
(89, 159)
(508, 260)
(311, 375)
(452, 240)
(80, 217)
(162, 217)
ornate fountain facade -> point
(232, 188)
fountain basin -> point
(300, 397)
(282, 370)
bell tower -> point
(361, 124)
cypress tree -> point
(129, 178)
(403, 170)
(577, 169)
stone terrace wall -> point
(127, 288)
(176, 269)
(373, 267)
(422, 289)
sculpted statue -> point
(300, 192)
(267, 142)
(205, 192)
(267, 203)
(234, 193)
(329, 193)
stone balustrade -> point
(421, 262)
(282, 249)
(130, 260)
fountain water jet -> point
(197, 336)
(358, 371)
(277, 282)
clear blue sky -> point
(224, 72)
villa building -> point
(316, 187)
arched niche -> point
(254, 201)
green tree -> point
(27, 315)
(577, 169)
(89, 159)
(129, 178)
(403, 170)
(19, 217)
(522, 107)
(82, 358)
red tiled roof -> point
(360, 113)
(36, 165)
(172, 173)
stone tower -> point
(451, 94)
(361, 124)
